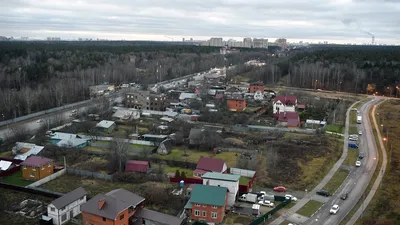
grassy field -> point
(352, 156)
(236, 219)
(353, 117)
(141, 147)
(336, 181)
(171, 169)
(16, 179)
(193, 156)
(315, 169)
(5, 154)
(335, 128)
(310, 208)
(353, 129)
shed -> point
(137, 166)
(106, 125)
(165, 147)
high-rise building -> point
(282, 42)
(247, 43)
(217, 42)
(260, 43)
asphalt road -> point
(33, 125)
(358, 179)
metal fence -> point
(266, 216)
(84, 173)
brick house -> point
(236, 103)
(36, 168)
(207, 164)
(116, 207)
(289, 119)
(207, 203)
(256, 86)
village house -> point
(116, 207)
(256, 86)
(289, 119)
(23, 150)
(67, 206)
(284, 104)
(137, 166)
(68, 140)
(106, 126)
(230, 181)
(36, 168)
(236, 103)
(207, 164)
(207, 203)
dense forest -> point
(357, 69)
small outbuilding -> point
(137, 166)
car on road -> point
(360, 132)
(291, 197)
(334, 209)
(280, 189)
(358, 163)
(344, 196)
(323, 193)
(267, 203)
(361, 155)
(39, 121)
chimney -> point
(101, 203)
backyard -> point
(335, 128)
(16, 179)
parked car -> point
(323, 193)
(280, 189)
(291, 197)
(344, 196)
(334, 209)
(39, 121)
(360, 132)
(267, 203)
(358, 163)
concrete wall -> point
(48, 178)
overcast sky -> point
(341, 21)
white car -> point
(334, 209)
(358, 163)
(360, 132)
(39, 121)
(266, 203)
(291, 197)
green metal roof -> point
(188, 205)
(221, 176)
(208, 195)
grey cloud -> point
(313, 19)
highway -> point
(358, 178)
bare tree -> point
(120, 149)
(29, 96)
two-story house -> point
(207, 164)
(256, 86)
(284, 104)
(67, 206)
(36, 168)
(207, 203)
(230, 181)
(236, 103)
(116, 207)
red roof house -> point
(206, 164)
(137, 166)
(284, 104)
(290, 119)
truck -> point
(249, 197)
(359, 119)
(267, 197)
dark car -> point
(361, 155)
(323, 193)
(344, 196)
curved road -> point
(358, 178)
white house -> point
(67, 206)
(23, 150)
(285, 104)
(230, 181)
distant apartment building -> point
(247, 42)
(145, 100)
(217, 42)
(282, 42)
(260, 43)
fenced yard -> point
(16, 179)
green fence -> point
(266, 216)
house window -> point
(34, 168)
(214, 206)
(43, 167)
(204, 205)
(104, 219)
(197, 212)
(197, 204)
(204, 213)
(64, 217)
(214, 215)
(52, 209)
(32, 175)
(121, 217)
